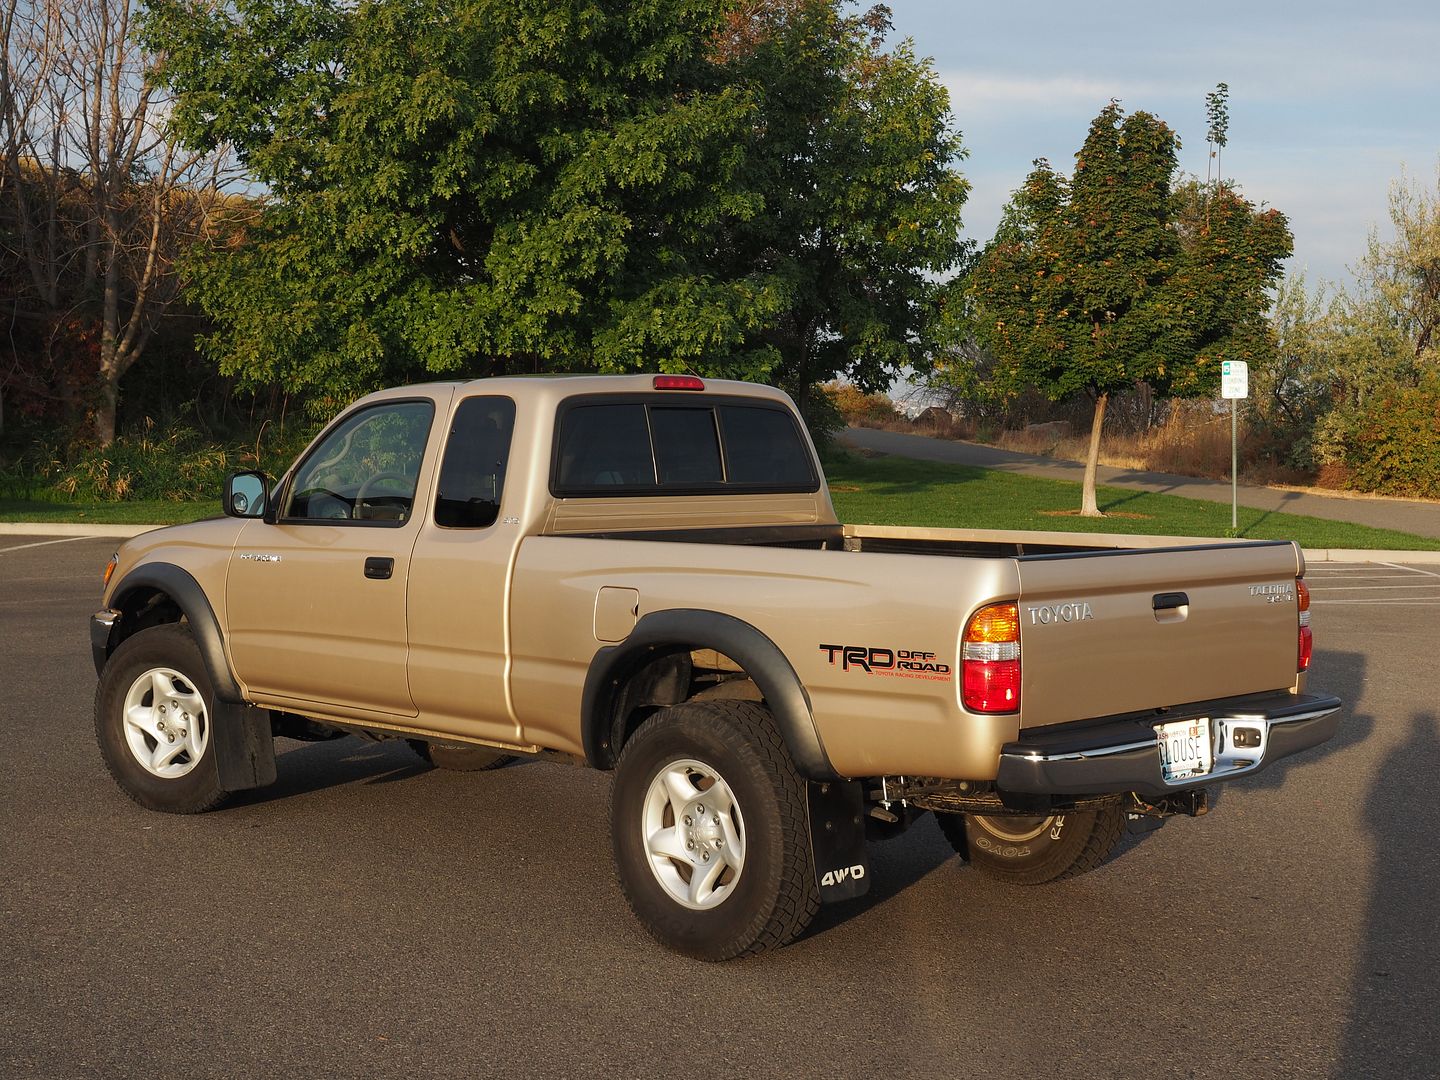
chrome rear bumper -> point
(1121, 754)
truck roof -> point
(554, 387)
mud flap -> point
(244, 747)
(837, 839)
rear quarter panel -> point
(871, 722)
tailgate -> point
(1121, 631)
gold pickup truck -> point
(645, 574)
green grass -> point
(139, 512)
(900, 491)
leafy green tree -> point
(1380, 344)
(1217, 129)
(1291, 388)
(853, 156)
(1113, 276)
(504, 185)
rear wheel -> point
(459, 757)
(710, 831)
(152, 721)
(1034, 850)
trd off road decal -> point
(899, 663)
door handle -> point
(1167, 601)
(379, 567)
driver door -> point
(316, 602)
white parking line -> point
(1369, 588)
(1418, 590)
(1412, 569)
(1368, 577)
(1418, 602)
(43, 543)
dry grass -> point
(1193, 442)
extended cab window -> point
(472, 474)
(632, 446)
(365, 468)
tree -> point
(1381, 345)
(854, 158)
(96, 201)
(1291, 388)
(1097, 281)
(492, 186)
(1217, 121)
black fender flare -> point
(190, 598)
(244, 746)
(660, 632)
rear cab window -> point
(472, 472)
(614, 445)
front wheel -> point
(153, 712)
(1034, 850)
(710, 831)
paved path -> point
(1407, 515)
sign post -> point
(1234, 386)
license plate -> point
(1185, 749)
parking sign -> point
(1234, 379)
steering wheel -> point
(311, 495)
(367, 486)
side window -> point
(472, 474)
(605, 446)
(365, 469)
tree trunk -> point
(1088, 507)
(103, 426)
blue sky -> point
(1327, 100)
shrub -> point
(173, 465)
(821, 415)
(860, 409)
(1391, 445)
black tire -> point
(1034, 850)
(773, 896)
(459, 757)
(169, 649)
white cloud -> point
(971, 90)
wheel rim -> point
(1015, 830)
(694, 834)
(166, 725)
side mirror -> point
(246, 494)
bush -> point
(860, 409)
(176, 465)
(1391, 445)
(821, 416)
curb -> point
(1367, 555)
(60, 528)
(1312, 555)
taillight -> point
(1307, 640)
(990, 660)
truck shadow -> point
(1345, 671)
(302, 768)
(1392, 1030)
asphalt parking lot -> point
(1385, 584)
(368, 916)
